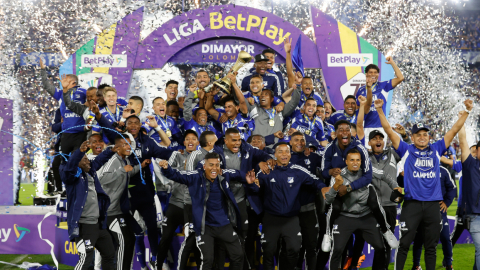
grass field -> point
(27, 192)
(463, 258)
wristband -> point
(468, 111)
(158, 128)
(123, 119)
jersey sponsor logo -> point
(71, 115)
(424, 163)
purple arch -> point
(228, 21)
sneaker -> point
(391, 239)
(326, 243)
(361, 260)
(449, 267)
(165, 266)
(152, 265)
(416, 267)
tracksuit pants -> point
(92, 236)
(149, 215)
(254, 221)
(444, 239)
(457, 229)
(391, 216)
(188, 244)
(414, 213)
(309, 230)
(124, 240)
(220, 248)
(173, 218)
(226, 234)
(274, 228)
(366, 226)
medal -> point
(271, 115)
(307, 132)
(271, 122)
(169, 133)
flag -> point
(297, 56)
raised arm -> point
(386, 126)
(293, 103)
(398, 74)
(163, 136)
(238, 93)
(462, 137)
(459, 124)
(50, 88)
(287, 96)
(209, 105)
(71, 105)
(188, 105)
(361, 115)
(101, 159)
(368, 89)
(70, 170)
(182, 177)
(287, 44)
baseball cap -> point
(260, 57)
(374, 133)
(417, 127)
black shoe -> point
(449, 267)
(152, 265)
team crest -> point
(307, 161)
(290, 180)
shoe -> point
(449, 267)
(152, 265)
(416, 267)
(361, 260)
(391, 239)
(346, 266)
(326, 243)
(165, 266)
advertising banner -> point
(19, 234)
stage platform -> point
(26, 210)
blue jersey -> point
(341, 115)
(276, 100)
(303, 99)
(122, 101)
(200, 129)
(313, 128)
(279, 74)
(270, 81)
(71, 119)
(243, 123)
(169, 126)
(449, 152)
(327, 130)
(379, 91)
(471, 185)
(422, 171)
(111, 117)
(180, 125)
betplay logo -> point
(19, 233)
(349, 60)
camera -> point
(123, 128)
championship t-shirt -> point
(422, 171)
(379, 91)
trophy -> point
(225, 83)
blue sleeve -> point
(320, 134)
(319, 99)
(157, 151)
(108, 130)
(450, 188)
(457, 166)
(259, 155)
(146, 126)
(101, 159)
(439, 146)
(366, 168)
(402, 149)
(69, 171)
(332, 120)
(327, 162)
(122, 101)
(58, 94)
(313, 181)
(96, 129)
(182, 177)
(276, 101)
(236, 175)
(270, 139)
(387, 85)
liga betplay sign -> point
(216, 34)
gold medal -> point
(271, 122)
(307, 132)
(169, 133)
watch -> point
(349, 188)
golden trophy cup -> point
(225, 83)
